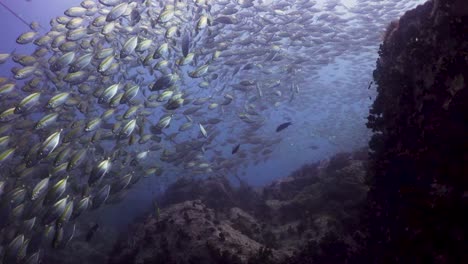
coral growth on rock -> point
(209, 221)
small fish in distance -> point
(283, 126)
(91, 232)
(235, 149)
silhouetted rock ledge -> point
(210, 221)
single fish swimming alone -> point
(283, 126)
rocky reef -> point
(419, 153)
(210, 221)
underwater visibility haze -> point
(107, 104)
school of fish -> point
(116, 91)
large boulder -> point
(209, 221)
(190, 232)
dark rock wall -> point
(418, 209)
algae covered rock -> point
(189, 232)
(210, 221)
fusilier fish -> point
(203, 131)
(58, 100)
(117, 11)
(40, 189)
(27, 103)
(128, 128)
(49, 145)
(99, 171)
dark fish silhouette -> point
(58, 236)
(283, 126)
(185, 44)
(91, 232)
(135, 17)
(235, 149)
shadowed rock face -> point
(209, 221)
(419, 160)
